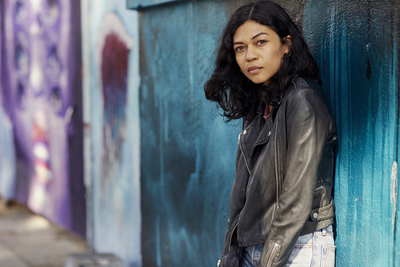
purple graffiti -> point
(38, 38)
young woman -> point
(282, 208)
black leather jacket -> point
(284, 176)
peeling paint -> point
(393, 192)
(113, 139)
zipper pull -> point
(274, 249)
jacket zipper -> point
(230, 239)
(248, 169)
(276, 245)
(241, 149)
(276, 164)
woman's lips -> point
(254, 70)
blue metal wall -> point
(187, 152)
(356, 45)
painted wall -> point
(356, 44)
(7, 157)
(112, 130)
(187, 163)
(188, 152)
(40, 71)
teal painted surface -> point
(188, 152)
(112, 135)
(356, 46)
(7, 156)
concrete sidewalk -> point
(29, 240)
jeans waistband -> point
(325, 231)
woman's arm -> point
(307, 122)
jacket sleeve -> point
(307, 123)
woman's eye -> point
(239, 48)
(261, 42)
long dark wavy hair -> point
(236, 95)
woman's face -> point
(259, 51)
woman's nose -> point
(251, 54)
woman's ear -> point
(288, 44)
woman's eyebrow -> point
(235, 43)
(254, 37)
(261, 33)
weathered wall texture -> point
(187, 164)
(188, 153)
(356, 44)
(7, 157)
(112, 133)
(40, 82)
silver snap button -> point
(245, 131)
(269, 133)
(315, 215)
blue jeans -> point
(311, 250)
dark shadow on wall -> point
(75, 140)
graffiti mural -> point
(115, 47)
(111, 62)
(38, 88)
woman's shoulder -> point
(301, 83)
(305, 94)
(306, 89)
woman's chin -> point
(257, 81)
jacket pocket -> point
(233, 254)
(233, 257)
